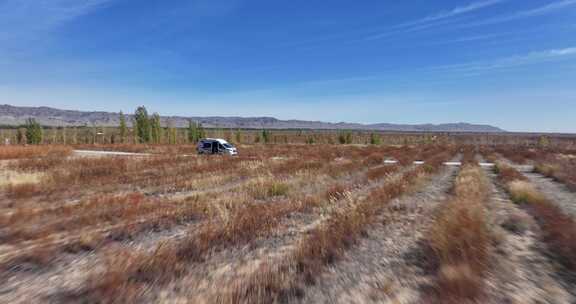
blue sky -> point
(510, 63)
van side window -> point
(206, 145)
(220, 146)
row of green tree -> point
(148, 129)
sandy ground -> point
(106, 153)
(521, 272)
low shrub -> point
(548, 170)
(507, 173)
(265, 188)
(523, 192)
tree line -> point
(151, 129)
(146, 129)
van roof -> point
(220, 140)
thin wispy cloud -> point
(438, 73)
(436, 19)
(486, 38)
(534, 12)
(547, 8)
(25, 21)
(460, 10)
(513, 61)
(414, 28)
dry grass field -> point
(287, 223)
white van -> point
(216, 146)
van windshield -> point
(228, 146)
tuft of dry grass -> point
(459, 283)
(523, 192)
(337, 192)
(380, 172)
(547, 169)
(507, 174)
(264, 188)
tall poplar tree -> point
(155, 129)
(142, 125)
(123, 128)
(34, 132)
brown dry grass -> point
(523, 192)
(259, 189)
(547, 169)
(18, 152)
(17, 190)
(506, 173)
(521, 155)
(323, 245)
(553, 163)
(380, 172)
(240, 224)
(559, 232)
(468, 155)
(460, 240)
(127, 217)
(244, 225)
(267, 187)
(337, 192)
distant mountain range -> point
(14, 115)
